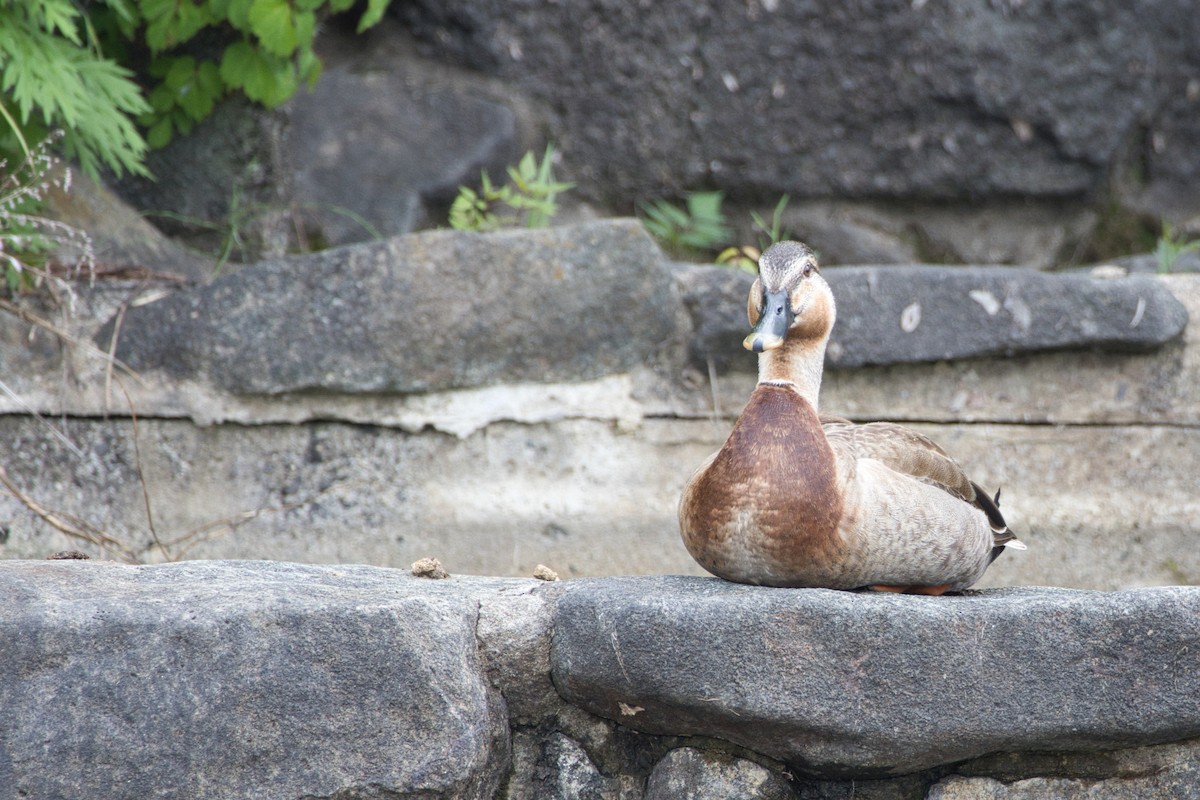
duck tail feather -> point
(991, 508)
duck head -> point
(789, 298)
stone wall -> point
(207, 680)
(976, 132)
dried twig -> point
(67, 338)
(141, 476)
(69, 524)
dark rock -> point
(890, 315)
(123, 242)
(867, 98)
(1149, 263)
(1177, 781)
(838, 237)
(699, 775)
(1101, 765)
(931, 313)
(437, 310)
(842, 684)
(383, 133)
(710, 295)
(567, 773)
(221, 184)
(242, 679)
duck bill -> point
(772, 325)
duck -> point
(795, 498)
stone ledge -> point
(927, 313)
(864, 684)
(230, 677)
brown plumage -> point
(794, 498)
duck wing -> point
(903, 450)
(916, 455)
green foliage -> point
(1171, 246)
(265, 52)
(528, 199)
(188, 55)
(775, 232)
(52, 76)
(745, 257)
(701, 227)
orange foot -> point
(933, 591)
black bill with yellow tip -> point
(773, 323)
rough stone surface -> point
(1135, 762)
(568, 772)
(383, 134)
(858, 684)
(929, 313)
(691, 774)
(438, 310)
(122, 240)
(225, 178)
(1179, 782)
(270, 679)
(1036, 235)
(971, 100)
(222, 680)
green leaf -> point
(208, 79)
(181, 70)
(159, 134)
(60, 16)
(238, 62)
(272, 22)
(162, 99)
(92, 99)
(238, 15)
(373, 14)
(172, 22)
(263, 77)
(308, 67)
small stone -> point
(1108, 271)
(429, 568)
(689, 772)
(68, 555)
(544, 573)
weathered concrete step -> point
(1101, 507)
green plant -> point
(1171, 246)
(745, 257)
(528, 199)
(27, 237)
(53, 76)
(265, 52)
(699, 227)
(64, 67)
(775, 232)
